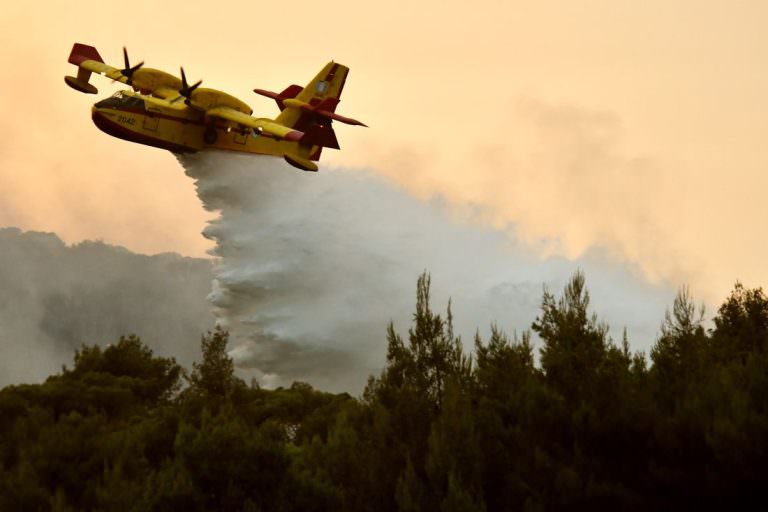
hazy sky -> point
(634, 128)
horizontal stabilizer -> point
(341, 119)
(289, 92)
(325, 109)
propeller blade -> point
(194, 86)
(129, 70)
(186, 89)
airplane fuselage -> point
(182, 130)
(167, 112)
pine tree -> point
(215, 374)
(574, 342)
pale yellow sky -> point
(635, 126)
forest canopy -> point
(587, 423)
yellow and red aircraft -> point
(166, 112)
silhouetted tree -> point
(574, 341)
(741, 325)
(215, 374)
(592, 426)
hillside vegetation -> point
(586, 424)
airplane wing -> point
(104, 69)
(87, 58)
(167, 93)
(88, 61)
(262, 125)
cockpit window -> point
(110, 102)
(120, 100)
(133, 102)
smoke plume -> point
(311, 267)
(55, 297)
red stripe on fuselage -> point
(186, 120)
(149, 113)
(117, 130)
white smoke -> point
(311, 268)
(55, 297)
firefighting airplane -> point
(166, 112)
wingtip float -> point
(151, 111)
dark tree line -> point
(590, 425)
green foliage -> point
(741, 325)
(215, 374)
(593, 426)
(574, 342)
(432, 356)
(151, 379)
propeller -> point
(129, 70)
(186, 89)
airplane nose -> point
(101, 121)
(96, 116)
